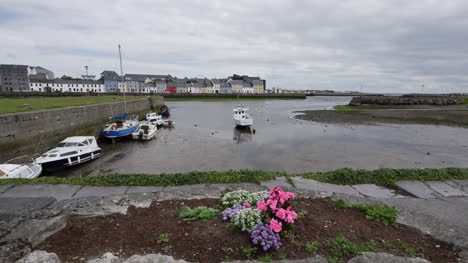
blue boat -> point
(121, 127)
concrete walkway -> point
(30, 213)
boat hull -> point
(65, 162)
(118, 133)
(243, 122)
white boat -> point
(146, 131)
(155, 118)
(13, 169)
(241, 117)
(121, 127)
(71, 151)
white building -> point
(66, 85)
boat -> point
(121, 127)
(146, 131)
(241, 117)
(164, 111)
(155, 118)
(69, 152)
(15, 169)
(168, 123)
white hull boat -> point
(155, 118)
(168, 123)
(146, 131)
(241, 117)
(71, 151)
(12, 169)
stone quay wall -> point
(28, 133)
(407, 100)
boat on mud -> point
(146, 131)
(241, 117)
(20, 167)
(164, 111)
(121, 127)
(69, 152)
(155, 118)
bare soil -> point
(214, 241)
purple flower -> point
(264, 236)
(230, 213)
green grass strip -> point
(344, 176)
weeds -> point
(341, 247)
(409, 250)
(167, 249)
(198, 213)
(265, 259)
(164, 238)
(311, 247)
(281, 255)
(248, 251)
(342, 176)
(387, 215)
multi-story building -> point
(225, 88)
(247, 88)
(237, 85)
(67, 85)
(215, 86)
(258, 86)
(136, 82)
(181, 86)
(14, 78)
(111, 81)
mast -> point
(123, 86)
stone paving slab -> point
(3, 188)
(278, 182)
(100, 191)
(372, 190)
(445, 189)
(459, 184)
(25, 205)
(57, 191)
(418, 189)
(329, 189)
(144, 189)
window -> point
(68, 153)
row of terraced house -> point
(22, 78)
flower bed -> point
(320, 227)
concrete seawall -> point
(27, 133)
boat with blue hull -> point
(121, 127)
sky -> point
(396, 46)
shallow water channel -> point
(204, 138)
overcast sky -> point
(386, 46)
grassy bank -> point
(12, 105)
(465, 100)
(342, 176)
(218, 99)
(346, 108)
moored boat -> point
(16, 169)
(121, 127)
(69, 152)
(164, 111)
(155, 118)
(146, 131)
(241, 117)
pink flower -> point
(272, 204)
(290, 216)
(246, 205)
(281, 213)
(261, 206)
(275, 225)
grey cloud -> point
(387, 46)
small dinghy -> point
(241, 118)
(71, 151)
(168, 123)
(164, 111)
(121, 127)
(146, 131)
(17, 169)
(155, 118)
